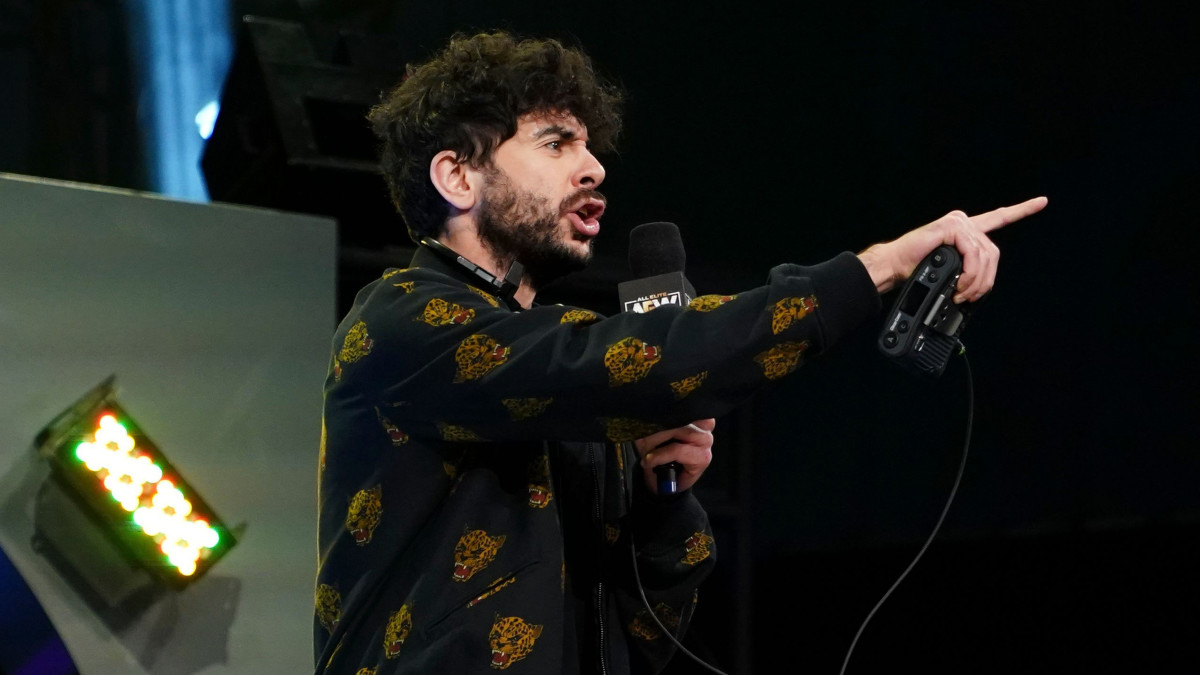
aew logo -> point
(645, 304)
(642, 295)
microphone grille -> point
(655, 248)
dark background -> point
(774, 134)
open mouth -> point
(586, 218)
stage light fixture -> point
(122, 479)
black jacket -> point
(478, 494)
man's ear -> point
(457, 182)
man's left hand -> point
(690, 446)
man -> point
(486, 463)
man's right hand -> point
(690, 446)
(894, 261)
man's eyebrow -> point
(555, 130)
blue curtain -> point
(181, 52)
(29, 645)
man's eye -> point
(554, 145)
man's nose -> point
(591, 171)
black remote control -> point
(922, 331)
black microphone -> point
(656, 258)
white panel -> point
(216, 321)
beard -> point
(518, 225)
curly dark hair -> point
(467, 99)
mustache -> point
(580, 195)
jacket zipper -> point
(599, 594)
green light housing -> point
(123, 479)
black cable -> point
(957, 479)
(646, 602)
(641, 591)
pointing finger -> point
(994, 220)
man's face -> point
(539, 203)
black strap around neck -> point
(505, 287)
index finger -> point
(660, 438)
(994, 220)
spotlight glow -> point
(159, 508)
(140, 501)
(206, 119)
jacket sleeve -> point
(560, 373)
(675, 552)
